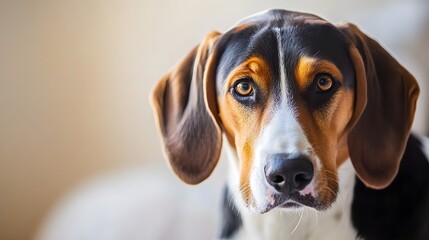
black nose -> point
(288, 173)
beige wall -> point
(74, 83)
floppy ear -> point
(385, 102)
(191, 135)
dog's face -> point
(295, 96)
(285, 92)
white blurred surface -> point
(140, 203)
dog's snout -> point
(288, 173)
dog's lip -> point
(287, 204)
(290, 204)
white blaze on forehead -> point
(283, 133)
(283, 86)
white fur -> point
(283, 87)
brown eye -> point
(324, 82)
(243, 89)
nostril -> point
(303, 178)
(278, 179)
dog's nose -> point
(288, 173)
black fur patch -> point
(231, 219)
(400, 211)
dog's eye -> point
(324, 82)
(245, 91)
(243, 88)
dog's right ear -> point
(183, 102)
(385, 102)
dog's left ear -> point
(385, 102)
(185, 107)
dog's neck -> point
(303, 223)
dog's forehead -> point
(274, 16)
(299, 34)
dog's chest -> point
(293, 226)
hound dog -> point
(315, 118)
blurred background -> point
(80, 157)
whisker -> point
(332, 191)
(299, 221)
(317, 215)
(236, 194)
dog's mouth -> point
(294, 201)
(291, 204)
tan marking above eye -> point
(254, 68)
(243, 88)
(309, 69)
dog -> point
(316, 121)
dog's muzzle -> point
(289, 175)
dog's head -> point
(294, 96)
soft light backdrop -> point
(75, 78)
